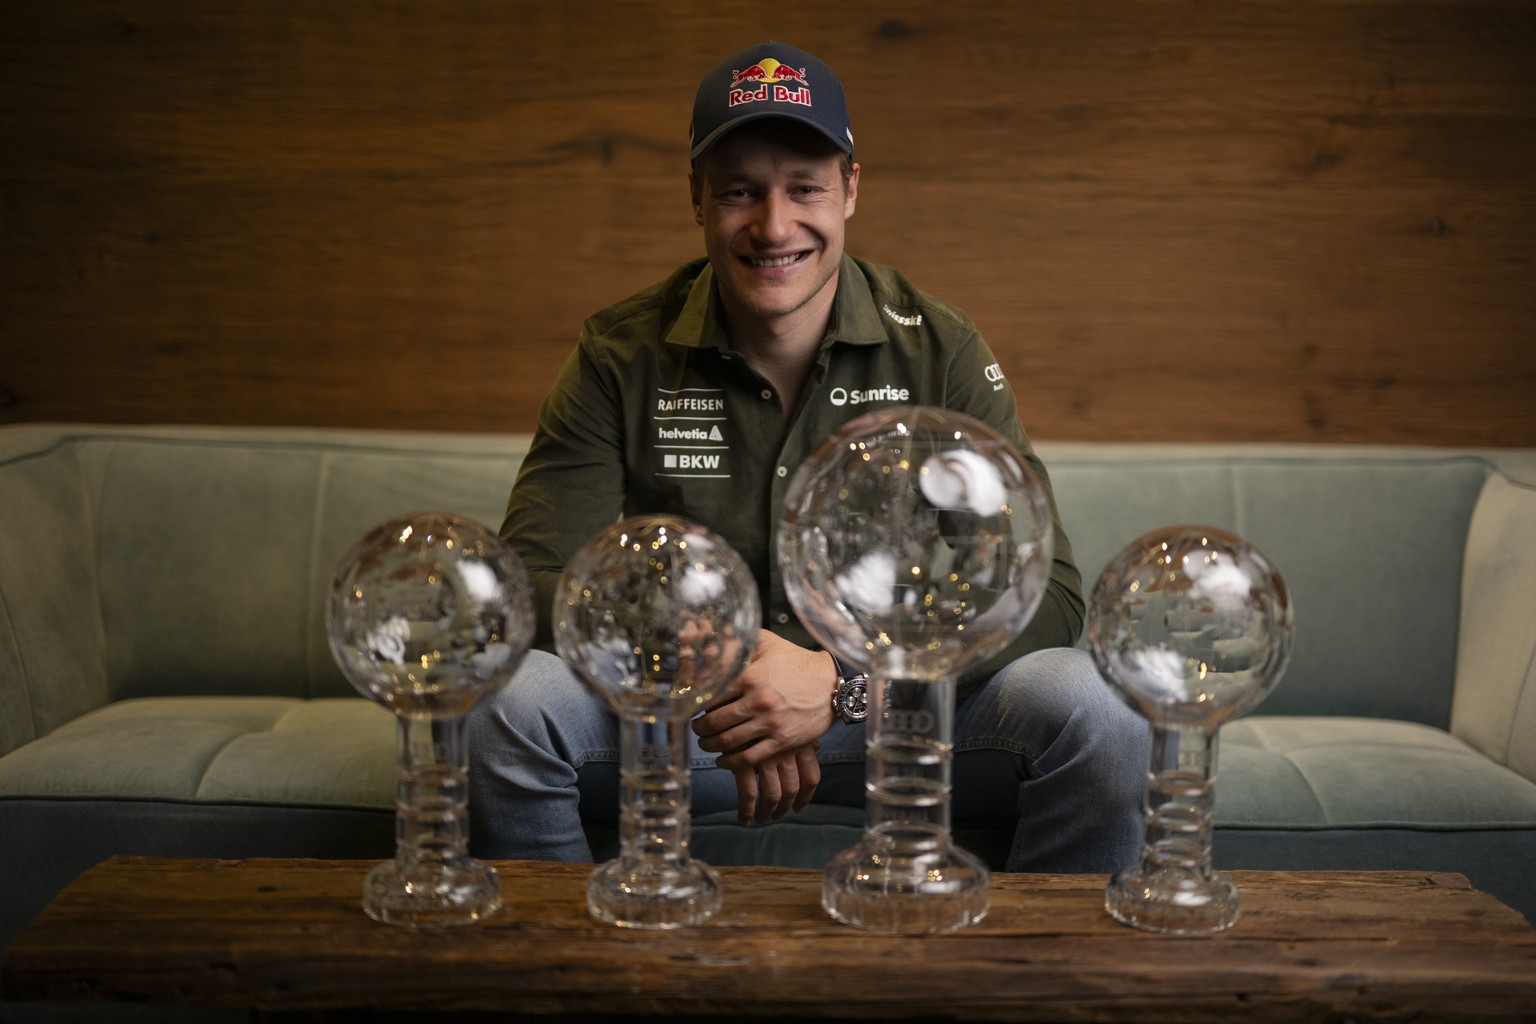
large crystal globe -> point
(658, 616)
(1192, 626)
(915, 541)
(428, 613)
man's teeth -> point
(780, 261)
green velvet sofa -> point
(166, 687)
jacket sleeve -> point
(571, 484)
(975, 385)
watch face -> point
(853, 700)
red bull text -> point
(777, 93)
(769, 75)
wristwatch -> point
(850, 699)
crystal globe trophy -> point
(915, 542)
(657, 616)
(428, 613)
(1192, 626)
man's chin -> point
(770, 303)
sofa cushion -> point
(1311, 773)
(214, 603)
(232, 599)
(332, 752)
(195, 776)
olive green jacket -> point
(654, 413)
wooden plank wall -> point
(1275, 220)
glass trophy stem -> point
(654, 883)
(906, 875)
(432, 882)
(1174, 889)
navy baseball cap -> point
(769, 80)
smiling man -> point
(700, 397)
(773, 197)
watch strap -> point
(846, 671)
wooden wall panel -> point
(1181, 220)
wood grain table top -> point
(290, 936)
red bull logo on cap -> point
(771, 78)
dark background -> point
(1285, 220)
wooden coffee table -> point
(288, 937)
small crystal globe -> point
(915, 542)
(1192, 626)
(658, 616)
(428, 613)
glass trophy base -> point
(431, 894)
(937, 887)
(666, 895)
(1174, 901)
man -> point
(700, 397)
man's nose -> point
(775, 219)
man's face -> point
(773, 203)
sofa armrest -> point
(1494, 707)
(52, 665)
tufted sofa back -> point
(187, 561)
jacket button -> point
(782, 471)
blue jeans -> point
(1044, 741)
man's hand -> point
(783, 783)
(767, 727)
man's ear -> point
(696, 196)
(852, 198)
